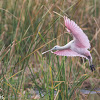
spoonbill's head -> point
(55, 47)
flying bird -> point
(78, 46)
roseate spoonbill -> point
(78, 46)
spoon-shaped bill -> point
(46, 51)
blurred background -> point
(30, 27)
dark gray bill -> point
(46, 51)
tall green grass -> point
(29, 27)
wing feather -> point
(81, 40)
(67, 52)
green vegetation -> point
(29, 27)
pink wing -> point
(67, 52)
(81, 40)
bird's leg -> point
(90, 63)
(92, 67)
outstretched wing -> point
(81, 40)
(67, 52)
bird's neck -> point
(67, 46)
(61, 48)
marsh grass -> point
(29, 27)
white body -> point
(78, 46)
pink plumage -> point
(78, 46)
(81, 40)
(67, 52)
